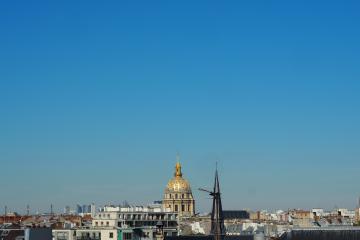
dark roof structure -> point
(7, 233)
(209, 237)
(236, 214)
(333, 233)
(11, 234)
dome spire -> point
(178, 172)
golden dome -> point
(178, 183)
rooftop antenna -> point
(28, 210)
(51, 209)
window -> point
(107, 223)
(111, 235)
(183, 195)
(96, 224)
(176, 196)
(176, 208)
(127, 236)
(183, 208)
(102, 223)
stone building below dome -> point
(178, 195)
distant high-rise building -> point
(87, 209)
(67, 210)
(84, 208)
(79, 209)
(93, 210)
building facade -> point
(124, 223)
(87, 234)
(136, 217)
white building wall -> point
(68, 234)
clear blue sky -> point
(97, 97)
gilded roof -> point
(178, 183)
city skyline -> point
(137, 201)
(96, 99)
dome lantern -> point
(178, 172)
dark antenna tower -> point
(51, 209)
(217, 218)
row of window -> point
(183, 208)
(179, 196)
(101, 224)
(127, 236)
(140, 216)
(145, 224)
(95, 235)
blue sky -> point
(97, 97)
